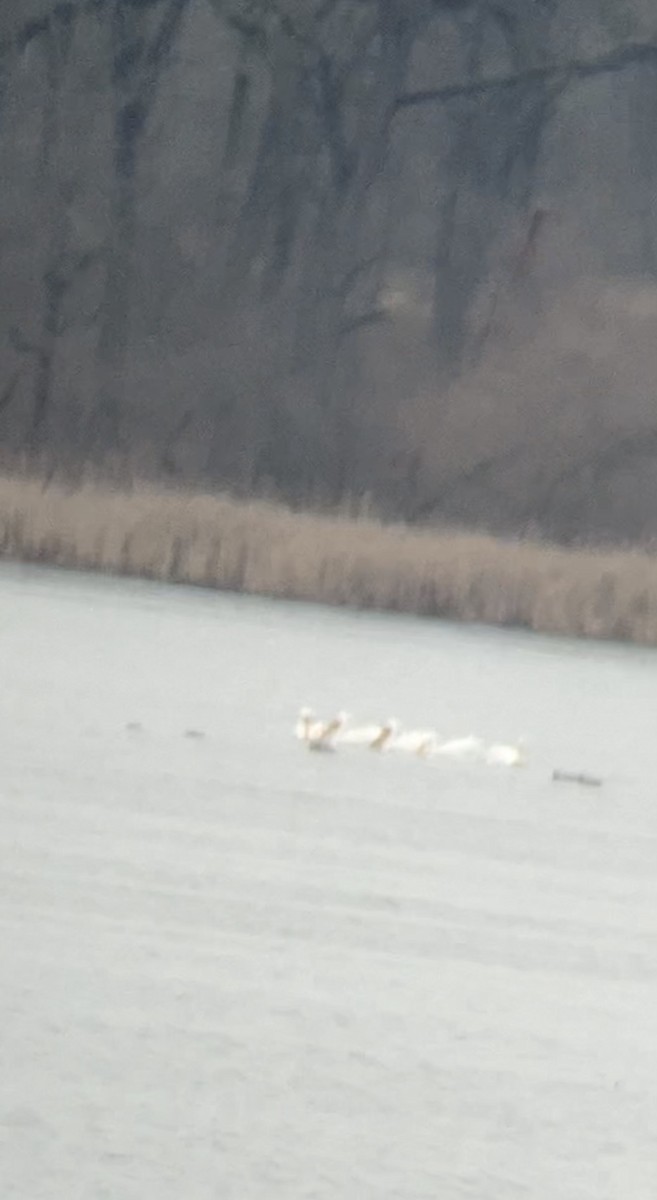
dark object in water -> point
(194, 733)
(576, 777)
(134, 727)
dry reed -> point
(265, 549)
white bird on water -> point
(464, 747)
(373, 737)
(326, 735)
(318, 735)
(502, 755)
(390, 736)
(420, 742)
(305, 722)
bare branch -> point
(8, 392)
(617, 60)
(603, 461)
(374, 317)
(64, 10)
(480, 473)
(160, 47)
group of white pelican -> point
(321, 734)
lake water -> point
(233, 969)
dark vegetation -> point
(317, 249)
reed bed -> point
(265, 549)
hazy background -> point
(338, 247)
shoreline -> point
(262, 548)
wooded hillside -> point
(398, 248)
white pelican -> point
(465, 747)
(317, 734)
(421, 742)
(323, 734)
(305, 722)
(385, 735)
(501, 755)
(373, 737)
(389, 736)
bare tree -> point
(141, 34)
(51, 31)
(305, 230)
(235, 297)
(62, 265)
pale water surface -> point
(232, 969)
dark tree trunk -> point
(139, 51)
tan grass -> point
(263, 548)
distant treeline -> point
(397, 249)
